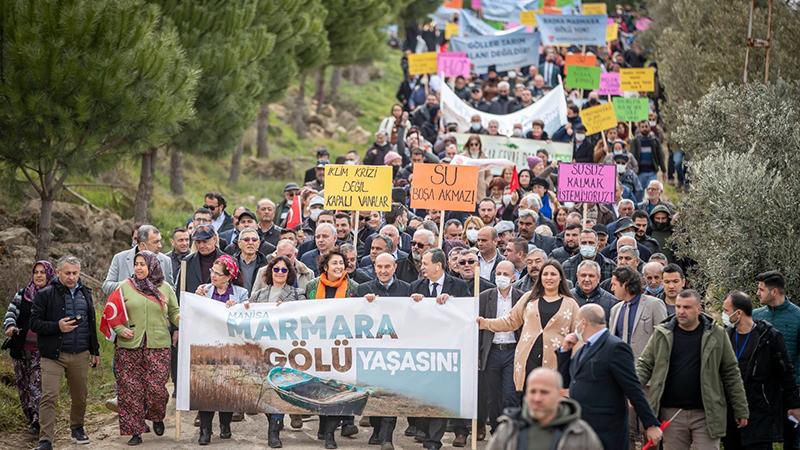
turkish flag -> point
(295, 213)
(113, 314)
(514, 185)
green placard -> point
(631, 109)
(582, 77)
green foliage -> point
(229, 42)
(312, 48)
(83, 82)
(741, 213)
(352, 27)
(287, 20)
(417, 10)
(698, 43)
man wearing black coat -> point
(63, 319)
(601, 377)
(436, 283)
(767, 374)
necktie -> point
(626, 311)
(433, 289)
(584, 350)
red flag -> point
(113, 314)
(514, 185)
(295, 215)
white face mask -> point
(579, 334)
(726, 320)
(507, 199)
(631, 234)
(476, 126)
(517, 132)
(620, 168)
(472, 235)
(588, 251)
(580, 137)
(350, 162)
(314, 214)
(652, 123)
(502, 281)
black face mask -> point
(661, 226)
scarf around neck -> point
(340, 285)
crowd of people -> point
(590, 333)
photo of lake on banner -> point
(236, 378)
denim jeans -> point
(680, 170)
(646, 177)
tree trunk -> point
(320, 94)
(299, 109)
(236, 163)
(44, 235)
(261, 132)
(145, 191)
(176, 172)
(336, 78)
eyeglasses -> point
(210, 207)
(474, 144)
(418, 244)
(279, 270)
(213, 272)
(468, 262)
(249, 239)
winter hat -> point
(533, 161)
(391, 156)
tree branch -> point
(30, 179)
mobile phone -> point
(76, 319)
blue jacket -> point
(786, 319)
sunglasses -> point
(209, 207)
(474, 144)
(249, 240)
(280, 270)
(418, 244)
(468, 262)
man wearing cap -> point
(322, 155)
(282, 211)
(318, 183)
(394, 160)
(624, 227)
(602, 235)
(247, 219)
(505, 234)
(315, 207)
(476, 101)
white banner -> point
(471, 25)
(551, 108)
(517, 150)
(392, 357)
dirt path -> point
(103, 430)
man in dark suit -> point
(496, 350)
(436, 283)
(408, 269)
(388, 286)
(604, 360)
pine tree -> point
(82, 84)
(311, 52)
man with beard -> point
(570, 247)
(661, 226)
(641, 222)
(502, 103)
(535, 260)
(408, 269)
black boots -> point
(273, 433)
(205, 436)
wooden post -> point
(441, 229)
(585, 213)
(477, 291)
(355, 233)
(182, 288)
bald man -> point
(604, 360)
(385, 283)
(553, 421)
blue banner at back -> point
(504, 52)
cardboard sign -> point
(612, 32)
(633, 109)
(609, 84)
(453, 64)
(358, 188)
(422, 63)
(527, 18)
(577, 59)
(599, 118)
(586, 183)
(567, 30)
(589, 9)
(582, 77)
(444, 187)
(476, 5)
(638, 80)
(450, 30)
(454, 4)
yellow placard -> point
(590, 9)
(358, 188)
(597, 118)
(639, 80)
(450, 30)
(422, 63)
(612, 32)
(527, 18)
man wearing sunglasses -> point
(282, 211)
(408, 269)
(466, 267)
(220, 220)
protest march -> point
(507, 263)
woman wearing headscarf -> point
(223, 273)
(280, 278)
(22, 343)
(142, 356)
(332, 283)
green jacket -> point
(146, 317)
(313, 285)
(719, 373)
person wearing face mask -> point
(661, 229)
(587, 251)
(583, 145)
(471, 227)
(654, 285)
(517, 131)
(767, 374)
(626, 176)
(604, 360)
(496, 350)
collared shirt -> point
(217, 223)
(593, 338)
(439, 285)
(629, 308)
(503, 308)
(487, 265)
(387, 285)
